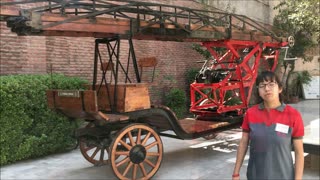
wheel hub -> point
(138, 154)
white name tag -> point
(282, 128)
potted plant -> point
(295, 86)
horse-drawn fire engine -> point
(123, 128)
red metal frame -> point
(211, 99)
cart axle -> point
(137, 154)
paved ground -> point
(183, 159)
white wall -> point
(259, 10)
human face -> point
(269, 91)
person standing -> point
(270, 128)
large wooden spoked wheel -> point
(94, 152)
(136, 152)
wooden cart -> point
(129, 140)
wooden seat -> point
(105, 66)
(147, 62)
(113, 117)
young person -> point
(271, 128)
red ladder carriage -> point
(233, 72)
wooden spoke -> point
(95, 153)
(150, 163)
(146, 139)
(126, 153)
(101, 155)
(134, 172)
(139, 137)
(151, 145)
(132, 160)
(125, 145)
(143, 169)
(88, 148)
(152, 154)
(131, 139)
(125, 160)
(127, 169)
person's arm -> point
(242, 150)
(299, 158)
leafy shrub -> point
(28, 127)
(191, 74)
(175, 99)
(190, 78)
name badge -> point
(282, 128)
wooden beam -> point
(105, 27)
(9, 11)
(48, 17)
(94, 28)
(75, 34)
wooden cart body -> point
(132, 134)
(134, 108)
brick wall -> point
(174, 59)
(21, 55)
(74, 57)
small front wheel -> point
(93, 151)
(136, 152)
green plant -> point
(201, 50)
(190, 78)
(231, 100)
(300, 19)
(175, 99)
(299, 78)
(191, 74)
(28, 127)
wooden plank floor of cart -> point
(191, 125)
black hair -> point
(268, 76)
